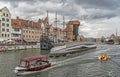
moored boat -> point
(32, 64)
(64, 50)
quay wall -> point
(18, 47)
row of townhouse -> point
(24, 31)
(19, 30)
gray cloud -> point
(103, 4)
(94, 13)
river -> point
(84, 64)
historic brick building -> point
(29, 31)
(72, 30)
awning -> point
(37, 40)
(10, 40)
(30, 41)
(27, 40)
(18, 39)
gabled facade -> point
(28, 31)
(5, 24)
(16, 30)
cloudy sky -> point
(98, 17)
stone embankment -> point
(17, 47)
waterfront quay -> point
(4, 48)
(83, 64)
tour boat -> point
(32, 64)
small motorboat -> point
(32, 64)
(103, 57)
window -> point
(7, 15)
(8, 35)
(5, 35)
(22, 63)
(7, 25)
(2, 35)
(7, 20)
(3, 29)
(16, 30)
(26, 36)
(3, 24)
(7, 30)
(15, 35)
(3, 14)
(3, 19)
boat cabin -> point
(32, 64)
(34, 61)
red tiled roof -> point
(20, 23)
(74, 22)
(15, 23)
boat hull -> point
(21, 71)
(63, 50)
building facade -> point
(5, 24)
(25, 30)
(72, 30)
(16, 31)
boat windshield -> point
(22, 63)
